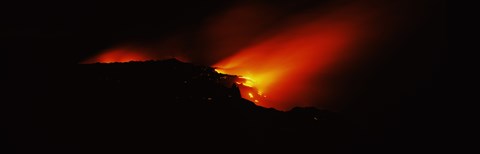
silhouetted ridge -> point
(136, 107)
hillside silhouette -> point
(156, 106)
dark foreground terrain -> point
(158, 106)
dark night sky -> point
(69, 32)
(46, 30)
(393, 88)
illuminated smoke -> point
(278, 64)
(284, 65)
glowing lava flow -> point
(248, 88)
(285, 65)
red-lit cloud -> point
(278, 58)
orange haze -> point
(135, 52)
(282, 66)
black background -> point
(392, 94)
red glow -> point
(134, 53)
(284, 65)
(119, 55)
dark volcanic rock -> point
(155, 106)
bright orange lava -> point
(284, 66)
